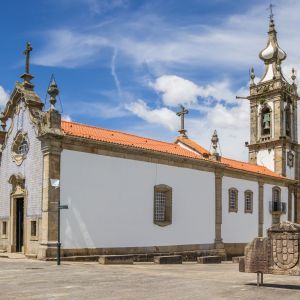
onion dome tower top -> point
(272, 54)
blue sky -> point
(127, 65)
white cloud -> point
(114, 73)
(3, 96)
(66, 118)
(162, 116)
(176, 90)
(69, 49)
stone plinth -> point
(116, 259)
(209, 260)
(172, 259)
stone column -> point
(51, 147)
(260, 208)
(218, 209)
(297, 204)
(290, 205)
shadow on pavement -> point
(278, 286)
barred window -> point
(33, 228)
(233, 199)
(4, 228)
(248, 201)
(276, 198)
(162, 205)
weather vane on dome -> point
(271, 6)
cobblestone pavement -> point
(30, 279)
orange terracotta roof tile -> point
(248, 167)
(120, 138)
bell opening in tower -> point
(266, 121)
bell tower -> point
(273, 113)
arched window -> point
(162, 205)
(248, 201)
(266, 120)
(287, 112)
(233, 200)
(276, 199)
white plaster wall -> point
(31, 168)
(266, 158)
(111, 203)
(267, 199)
(239, 227)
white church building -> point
(132, 194)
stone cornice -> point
(272, 144)
(271, 87)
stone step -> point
(171, 259)
(209, 260)
(116, 259)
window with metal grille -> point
(276, 198)
(33, 228)
(162, 205)
(233, 200)
(248, 202)
(4, 228)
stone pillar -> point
(253, 122)
(280, 160)
(297, 204)
(218, 209)
(260, 208)
(51, 147)
(290, 205)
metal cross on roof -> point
(181, 114)
(27, 54)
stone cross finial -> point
(181, 114)
(27, 54)
(27, 76)
(53, 91)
